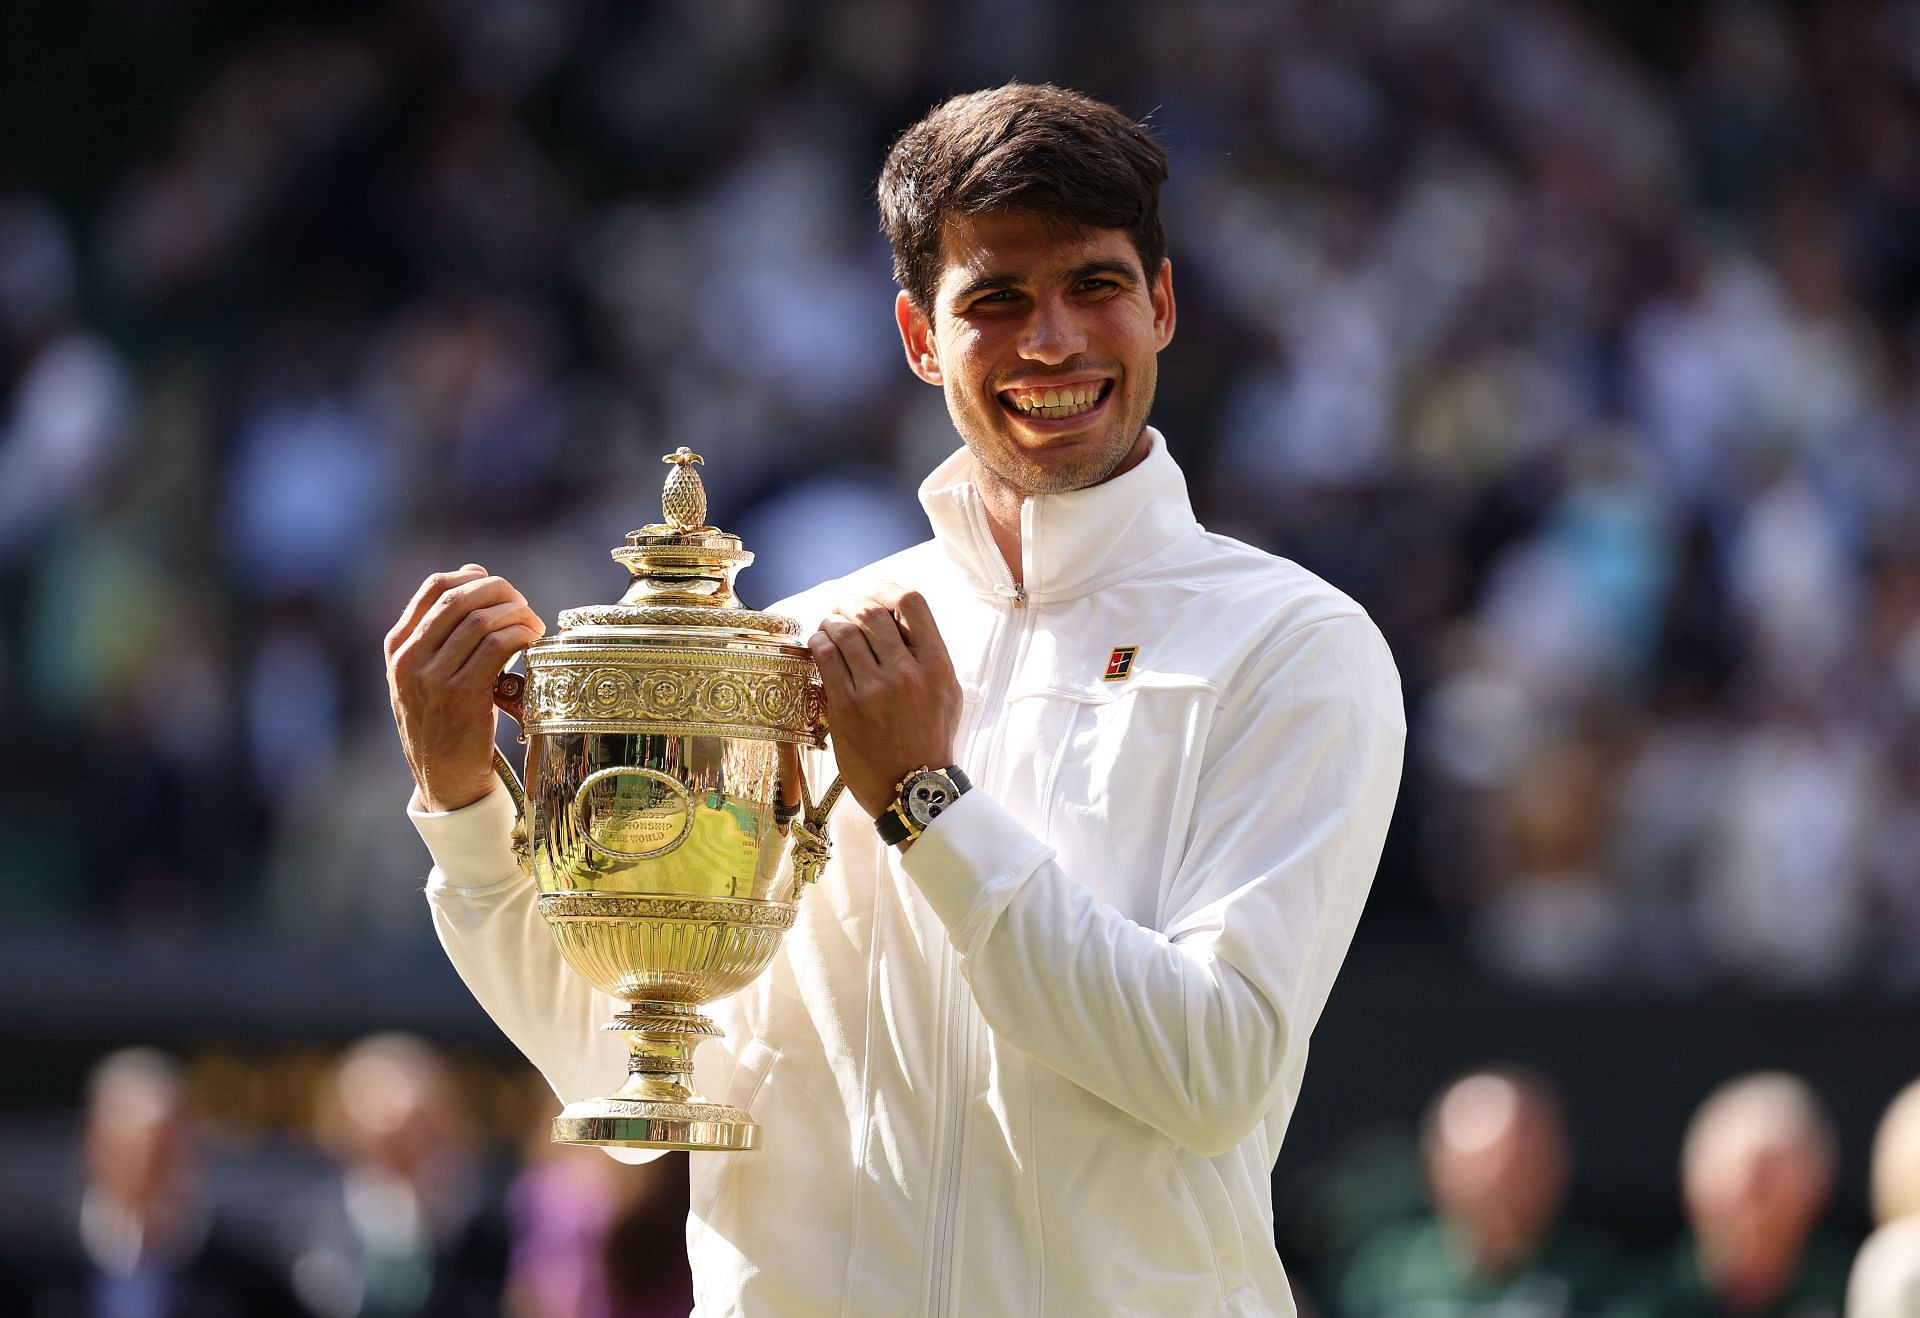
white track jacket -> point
(1042, 1063)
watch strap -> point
(892, 828)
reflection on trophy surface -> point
(656, 731)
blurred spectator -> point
(310, 492)
(1548, 912)
(1886, 1273)
(147, 1243)
(560, 1210)
(1896, 1159)
(1782, 881)
(596, 1238)
(1757, 1173)
(65, 418)
(1498, 1163)
(410, 1230)
(1885, 1282)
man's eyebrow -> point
(1126, 269)
(985, 284)
(994, 283)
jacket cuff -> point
(969, 863)
(472, 847)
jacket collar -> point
(1072, 543)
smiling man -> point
(1121, 787)
(1046, 342)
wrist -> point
(441, 799)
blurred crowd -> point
(403, 1212)
(1756, 1176)
(1584, 351)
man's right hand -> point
(442, 658)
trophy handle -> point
(510, 697)
(811, 846)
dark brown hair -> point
(1026, 148)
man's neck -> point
(1003, 503)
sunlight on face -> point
(1044, 338)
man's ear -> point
(1163, 305)
(916, 336)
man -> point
(147, 1239)
(1497, 1163)
(1756, 1173)
(1039, 1056)
(408, 1228)
(1896, 1158)
(1885, 1281)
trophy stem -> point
(657, 1107)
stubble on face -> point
(1027, 473)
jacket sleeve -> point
(1195, 1029)
(484, 911)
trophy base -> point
(646, 1124)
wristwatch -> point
(918, 800)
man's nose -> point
(1053, 333)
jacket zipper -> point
(959, 1034)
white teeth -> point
(1057, 402)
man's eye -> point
(1098, 286)
(999, 297)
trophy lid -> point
(682, 570)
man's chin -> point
(1064, 462)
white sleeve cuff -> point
(472, 847)
(969, 863)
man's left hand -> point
(893, 703)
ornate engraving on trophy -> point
(745, 694)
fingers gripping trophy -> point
(660, 732)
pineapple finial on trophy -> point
(684, 501)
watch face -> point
(926, 795)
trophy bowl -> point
(659, 732)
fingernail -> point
(473, 567)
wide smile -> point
(1057, 407)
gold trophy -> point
(656, 732)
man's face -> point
(1044, 339)
(1497, 1164)
(1752, 1201)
